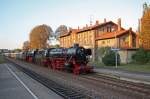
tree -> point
(17, 50)
(39, 36)
(101, 51)
(109, 58)
(26, 45)
(141, 56)
(53, 40)
(62, 29)
(55, 46)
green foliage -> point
(103, 50)
(148, 55)
(96, 64)
(56, 46)
(109, 58)
(141, 56)
(136, 67)
(17, 50)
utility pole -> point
(91, 19)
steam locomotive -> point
(74, 59)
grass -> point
(97, 64)
(136, 67)
(130, 67)
(1, 59)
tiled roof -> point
(88, 28)
(96, 26)
(113, 34)
(68, 33)
(65, 34)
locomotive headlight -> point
(45, 53)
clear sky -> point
(19, 17)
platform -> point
(17, 85)
(138, 77)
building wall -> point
(65, 41)
(106, 42)
(106, 29)
(69, 39)
(86, 38)
(126, 55)
(123, 41)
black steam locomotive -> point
(72, 59)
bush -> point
(141, 56)
(101, 51)
(148, 55)
(109, 58)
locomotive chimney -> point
(75, 45)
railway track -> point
(96, 82)
(137, 88)
(64, 91)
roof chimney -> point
(130, 28)
(78, 28)
(104, 20)
(70, 29)
(97, 22)
(119, 24)
(86, 26)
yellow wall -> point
(106, 42)
(86, 38)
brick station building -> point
(100, 35)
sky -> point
(19, 17)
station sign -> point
(115, 49)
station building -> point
(98, 35)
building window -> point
(103, 42)
(113, 29)
(108, 41)
(124, 39)
(109, 29)
(100, 30)
(103, 29)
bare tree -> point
(62, 29)
(26, 45)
